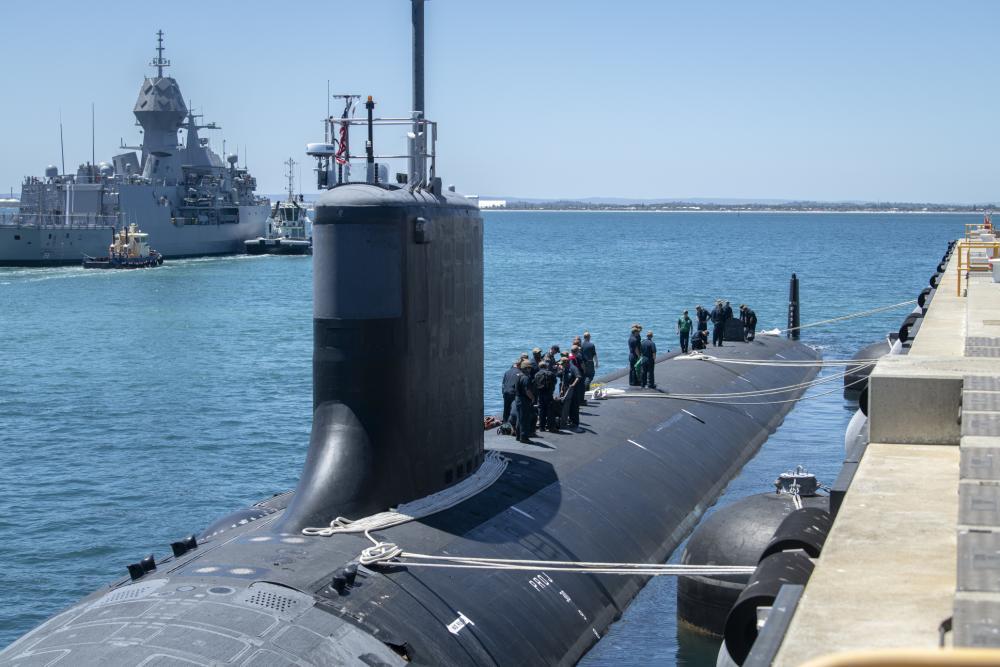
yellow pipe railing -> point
(965, 263)
(976, 228)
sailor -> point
(561, 404)
(718, 323)
(589, 352)
(727, 314)
(634, 341)
(702, 316)
(536, 358)
(700, 340)
(552, 356)
(684, 331)
(545, 384)
(749, 320)
(580, 399)
(522, 405)
(648, 350)
(572, 391)
(509, 389)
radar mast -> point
(291, 178)
(159, 62)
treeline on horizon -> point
(887, 207)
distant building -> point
(492, 203)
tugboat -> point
(287, 228)
(129, 249)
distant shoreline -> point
(739, 211)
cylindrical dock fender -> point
(856, 377)
(924, 299)
(736, 534)
(856, 427)
(910, 324)
(805, 529)
(789, 567)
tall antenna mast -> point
(291, 178)
(159, 62)
(62, 149)
(93, 150)
(418, 142)
(326, 123)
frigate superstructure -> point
(182, 193)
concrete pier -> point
(917, 538)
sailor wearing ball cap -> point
(522, 405)
(633, 354)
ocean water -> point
(135, 407)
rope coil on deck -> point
(494, 465)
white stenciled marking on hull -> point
(456, 626)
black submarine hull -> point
(627, 489)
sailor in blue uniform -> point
(590, 363)
(634, 340)
(702, 327)
(522, 405)
(718, 323)
(749, 319)
(545, 384)
(727, 314)
(509, 389)
(648, 350)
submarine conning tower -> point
(397, 350)
(397, 336)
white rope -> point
(709, 401)
(781, 363)
(490, 471)
(391, 555)
(614, 392)
(776, 390)
(851, 316)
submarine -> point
(321, 575)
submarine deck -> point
(916, 538)
(628, 488)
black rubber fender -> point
(804, 529)
(935, 279)
(904, 330)
(941, 267)
(922, 297)
(735, 534)
(793, 567)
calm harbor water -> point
(135, 407)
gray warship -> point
(183, 194)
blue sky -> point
(831, 101)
